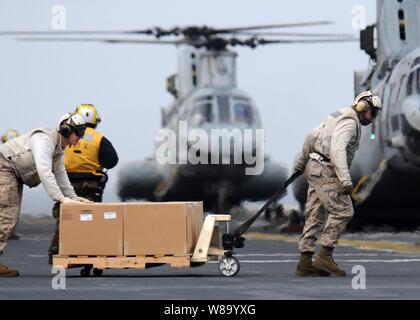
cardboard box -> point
(91, 229)
(165, 228)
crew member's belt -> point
(323, 156)
(86, 183)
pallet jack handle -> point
(235, 239)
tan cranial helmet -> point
(364, 102)
(372, 101)
(71, 122)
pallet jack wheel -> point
(85, 272)
(97, 272)
(229, 266)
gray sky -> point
(294, 86)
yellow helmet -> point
(9, 135)
(89, 113)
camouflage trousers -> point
(10, 201)
(327, 204)
(91, 190)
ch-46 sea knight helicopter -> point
(206, 100)
(386, 169)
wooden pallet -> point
(206, 249)
(121, 262)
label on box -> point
(86, 217)
(110, 215)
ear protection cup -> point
(362, 106)
(65, 130)
(70, 123)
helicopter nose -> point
(227, 147)
(411, 123)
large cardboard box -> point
(165, 228)
(91, 229)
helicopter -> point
(234, 166)
(206, 95)
(386, 168)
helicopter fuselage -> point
(211, 143)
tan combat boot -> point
(7, 272)
(306, 269)
(325, 261)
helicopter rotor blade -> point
(272, 26)
(74, 33)
(287, 41)
(122, 41)
(296, 34)
(158, 32)
(212, 43)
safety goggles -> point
(375, 111)
(80, 132)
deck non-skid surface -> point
(267, 272)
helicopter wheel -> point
(229, 266)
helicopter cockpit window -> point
(410, 84)
(203, 113)
(413, 83)
(418, 81)
(223, 107)
(243, 112)
(203, 110)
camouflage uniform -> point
(10, 201)
(326, 156)
(33, 158)
(324, 199)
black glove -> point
(347, 189)
(299, 172)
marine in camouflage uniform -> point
(9, 135)
(326, 157)
(33, 158)
(10, 200)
